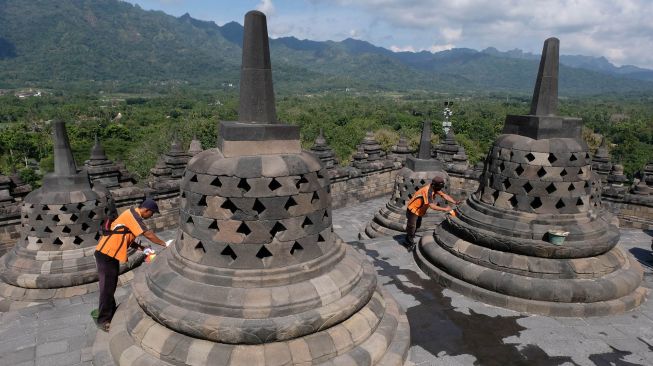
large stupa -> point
(256, 275)
(53, 257)
(504, 248)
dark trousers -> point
(413, 223)
(108, 271)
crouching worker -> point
(112, 250)
(423, 199)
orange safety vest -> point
(124, 230)
(419, 204)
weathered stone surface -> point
(538, 178)
(256, 271)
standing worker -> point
(112, 249)
(424, 198)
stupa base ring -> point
(428, 248)
(14, 297)
(136, 339)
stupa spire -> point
(256, 90)
(64, 163)
(545, 95)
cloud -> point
(266, 7)
(621, 30)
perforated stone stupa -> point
(401, 151)
(53, 257)
(537, 179)
(601, 164)
(418, 172)
(256, 275)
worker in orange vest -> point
(422, 200)
(112, 249)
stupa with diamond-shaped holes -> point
(256, 275)
(501, 247)
(53, 257)
(391, 219)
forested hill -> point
(111, 46)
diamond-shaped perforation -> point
(278, 227)
(85, 226)
(422, 182)
(573, 157)
(560, 204)
(78, 240)
(73, 218)
(274, 185)
(579, 202)
(258, 207)
(307, 222)
(227, 251)
(551, 188)
(580, 171)
(563, 172)
(57, 241)
(189, 220)
(552, 158)
(91, 214)
(243, 185)
(229, 205)
(47, 229)
(202, 202)
(46, 208)
(536, 203)
(263, 253)
(530, 157)
(316, 197)
(38, 217)
(65, 209)
(541, 172)
(295, 248)
(213, 226)
(302, 180)
(519, 170)
(199, 247)
(244, 229)
(216, 182)
(513, 201)
(55, 218)
(80, 206)
(527, 187)
(325, 215)
(572, 187)
(320, 238)
(193, 178)
(495, 195)
(290, 203)
(506, 183)
(66, 229)
(587, 184)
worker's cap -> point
(150, 205)
(438, 181)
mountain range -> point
(112, 46)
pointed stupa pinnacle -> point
(97, 152)
(425, 141)
(64, 163)
(256, 90)
(320, 140)
(545, 95)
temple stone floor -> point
(446, 328)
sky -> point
(620, 30)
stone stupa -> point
(391, 220)
(53, 257)
(601, 164)
(503, 248)
(256, 275)
(323, 152)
